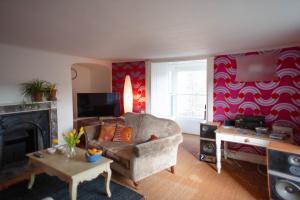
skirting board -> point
(248, 157)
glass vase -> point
(71, 153)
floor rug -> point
(50, 186)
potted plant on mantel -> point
(50, 91)
(34, 89)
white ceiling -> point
(140, 29)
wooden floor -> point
(199, 180)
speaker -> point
(208, 147)
(283, 188)
(208, 131)
(284, 162)
(208, 141)
(208, 151)
(284, 171)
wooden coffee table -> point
(73, 171)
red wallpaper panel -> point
(136, 70)
(278, 101)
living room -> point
(211, 107)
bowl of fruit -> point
(92, 155)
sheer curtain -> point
(178, 91)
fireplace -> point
(23, 131)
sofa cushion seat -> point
(119, 152)
(93, 143)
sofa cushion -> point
(92, 132)
(115, 120)
(93, 144)
(119, 152)
(132, 120)
(151, 125)
(107, 132)
(114, 146)
(158, 146)
(123, 134)
(123, 160)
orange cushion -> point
(107, 132)
(123, 134)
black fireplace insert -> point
(21, 133)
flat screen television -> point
(98, 104)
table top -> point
(68, 166)
(285, 147)
(247, 133)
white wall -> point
(20, 65)
(93, 78)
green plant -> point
(50, 91)
(33, 87)
(50, 86)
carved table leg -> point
(32, 176)
(107, 181)
(73, 190)
(31, 181)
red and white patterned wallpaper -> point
(278, 101)
(136, 70)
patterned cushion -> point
(107, 132)
(123, 134)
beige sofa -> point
(142, 158)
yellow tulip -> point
(78, 141)
(71, 134)
(55, 141)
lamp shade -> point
(127, 95)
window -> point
(178, 91)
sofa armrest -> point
(157, 146)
